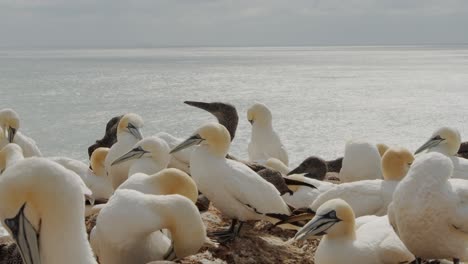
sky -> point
(153, 23)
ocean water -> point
(320, 97)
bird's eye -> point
(332, 214)
(410, 163)
(139, 148)
(436, 138)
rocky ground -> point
(258, 243)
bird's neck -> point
(219, 150)
(230, 123)
(126, 137)
(347, 232)
(262, 125)
(99, 170)
(63, 238)
(146, 165)
(394, 173)
(9, 159)
(442, 149)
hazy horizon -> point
(429, 45)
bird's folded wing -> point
(459, 220)
(253, 191)
(28, 145)
(365, 197)
(460, 168)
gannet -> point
(265, 142)
(429, 210)
(463, 151)
(9, 155)
(372, 197)
(372, 243)
(382, 148)
(100, 186)
(97, 160)
(148, 156)
(332, 165)
(335, 165)
(312, 167)
(10, 123)
(283, 184)
(42, 207)
(128, 134)
(179, 160)
(110, 136)
(226, 114)
(367, 197)
(446, 140)
(276, 164)
(233, 188)
(304, 196)
(361, 162)
(143, 216)
(167, 181)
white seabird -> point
(43, 207)
(265, 142)
(236, 190)
(372, 197)
(373, 242)
(128, 134)
(97, 160)
(143, 216)
(100, 186)
(10, 123)
(361, 161)
(149, 155)
(165, 182)
(429, 211)
(9, 155)
(447, 140)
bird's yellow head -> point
(131, 123)
(334, 218)
(97, 160)
(396, 163)
(259, 114)
(10, 122)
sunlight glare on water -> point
(320, 96)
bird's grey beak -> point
(134, 131)
(89, 199)
(11, 134)
(297, 170)
(135, 153)
(170, 254)
(298, 215)
(193, 140)
(26, 237)
(201, 105)
(429, 144)
(317, 226)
